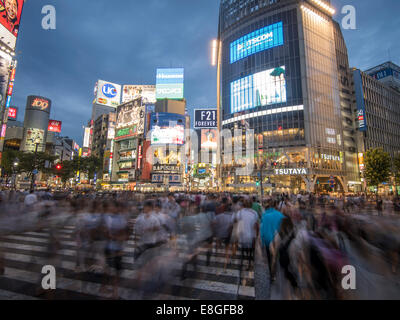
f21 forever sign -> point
(205, 118)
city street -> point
(241, 150)
(25, 255)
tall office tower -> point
(281, 66)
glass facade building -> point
(280, 75)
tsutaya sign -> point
(300, 171)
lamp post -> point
(15, 165)
(37, 142)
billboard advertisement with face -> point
(260, 89)
(132, 92)
(10, 17)
(54, 126)
(169, 83)
(34, 137)
(131, 114)
(108, 94)
(209, 139)
(167, 128)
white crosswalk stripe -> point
(25, 254)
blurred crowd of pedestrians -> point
(305, 235)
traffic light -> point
(258, 183)
(58, 167)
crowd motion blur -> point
(305, 239)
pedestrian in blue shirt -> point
(270, 224)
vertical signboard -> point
(358, 86)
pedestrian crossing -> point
(25, 254)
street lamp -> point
(14, 178)
(37, 142)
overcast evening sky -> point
(124, 41)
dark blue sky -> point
(124, 41)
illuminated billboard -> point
(205, 118)
(54, 126)
(38, 103)
(86, 138)
(3, 131)
(12, 113)
(167, 128)
(132, 92)
(259, 89)
(132, 115)
(34, 140)
(10, 17)
(361, 113)
(209, 139)
(169, 83)
(257, 41)
(5, 63)
(108, 94)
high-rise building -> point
(387, 73)
(8, 39)
(282, 72)
(378, 111)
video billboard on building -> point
(108, 94)
(205, 118)
(209, 139)
(10, 17)
(167, 128)
(260, 89)
(257, 41)
(54, 126)
(170, 83)
(132, 92)
(131, 116)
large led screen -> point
(167, 128)
(169, 84)
(259, 89)
(257, 41)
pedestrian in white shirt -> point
(30, 199)
(247, 220)
(147, 227)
